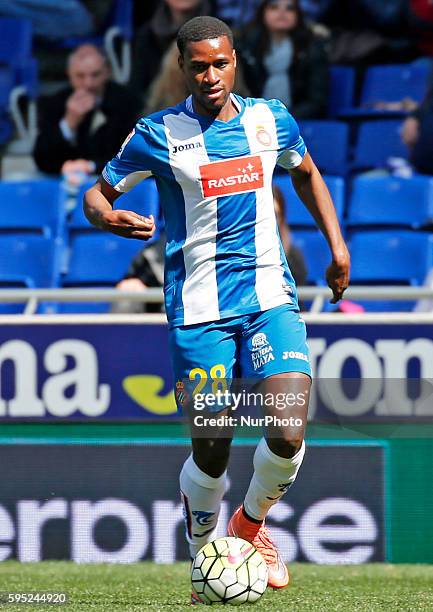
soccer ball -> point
(229, 571)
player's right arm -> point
(131, 165)
(98, 208)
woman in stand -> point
(283, 58)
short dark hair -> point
(202, 28)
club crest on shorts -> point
(182, 397)
(259, 340)
(261, 351)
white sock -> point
(273, 475)
(201, 496)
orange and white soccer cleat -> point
(256, 533)
(195, 599)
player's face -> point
(89, 73)
(209, 67)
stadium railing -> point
(317, 295)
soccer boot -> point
(256, 533)
(195, 599)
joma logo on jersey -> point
(187, 147)
(232, 176)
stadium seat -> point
(327, 142)
(391, 83)
(142, 199)
(7, 81)
(16, 55)
(115, 36)
(390, 256)
(341, 89)
(29, 261)
(33, 206)
(15, 40)
(377, 141)
(391, 201)
(296, 213)
(316, 252)
(99, 259)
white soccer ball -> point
(229, 571)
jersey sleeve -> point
(291, 146)
(134, 161)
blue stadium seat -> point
(120, 17)
(377, 141)
(29, 261)
(391, 201)
(115, 36)
(32, 205)
(327, 142)
(390, 256)
(16, 53)
(316, 252)
(99, 259)
(296, 213)
(15, 40)
(7, 81)
(395, 82)
(341, 89)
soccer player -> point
(230, 297)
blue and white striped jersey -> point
(224, 257)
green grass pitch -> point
(146, 586)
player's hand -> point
(129, 224)
(338, 274)
(78, 105)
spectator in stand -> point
(87, 121)
(155, 37)
(282, 58)
(417, 134)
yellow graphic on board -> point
(145, 390)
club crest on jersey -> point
(232, 176)
(125, 142)
(263, 136)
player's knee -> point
(285, 446)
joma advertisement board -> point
(102, 371)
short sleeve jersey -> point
(224, 257)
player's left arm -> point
(312, 190)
